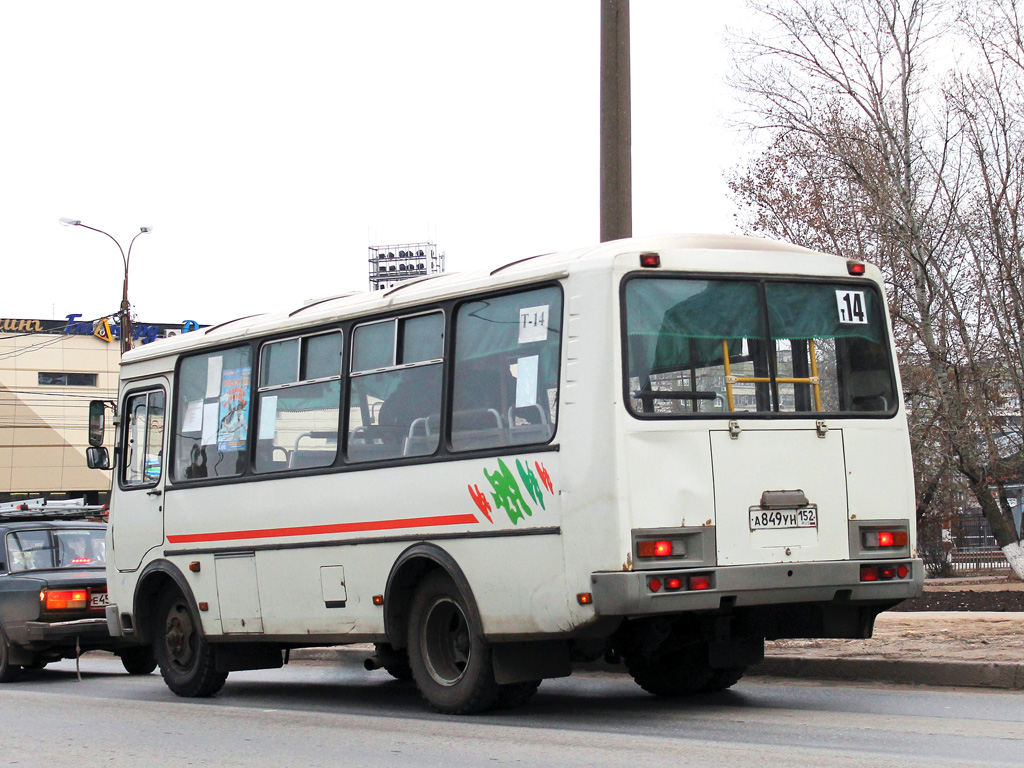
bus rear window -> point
(744, 346)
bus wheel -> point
(8, 671)
(676, 673)
(187, 662)
(723, 678)
(138, 659)
(450, 662)
(395, 663)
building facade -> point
(49, 372)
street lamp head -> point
(70, 222)
(144, 230)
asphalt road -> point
(319, 714)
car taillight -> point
(65, 599)
(654, 548)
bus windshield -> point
(755, 346)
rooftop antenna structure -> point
(394, 264)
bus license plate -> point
(99, 599)
(770, 519)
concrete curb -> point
(969, 674)
(959, 674)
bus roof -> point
(451, 284)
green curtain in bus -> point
(681, 323)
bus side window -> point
(395, 389)
(298, 402)
(507, 351)
(211, 421)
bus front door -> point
(137, 520)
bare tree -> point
(868, 155)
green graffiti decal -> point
(507, 495)
(531, 482)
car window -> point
(34, 550)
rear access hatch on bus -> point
(780, 495)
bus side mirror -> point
(95, 424)
(97, 457)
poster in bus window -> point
(232, 426)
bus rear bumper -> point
(631, 593)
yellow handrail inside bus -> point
(813, 381)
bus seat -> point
(477, 428)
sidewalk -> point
(957, 648)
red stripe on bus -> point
(313, 530)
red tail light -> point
(654, 548)
(65, 599)
(868, 573)
(880, 539)
(673, 583)
(700, 582)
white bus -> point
(659, 451)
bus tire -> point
(450, 662)
(395, 663)
(723, 678)
(676, 673)
(138, 659)
(187, 662)
(8, 672)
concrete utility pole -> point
(616, 133)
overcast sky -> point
(269, 144)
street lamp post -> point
(125, 315)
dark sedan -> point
(53, 592)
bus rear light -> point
(856, 268)
(65, 599)
(700, 582)
(673, 584)
(883, 572)
(884, 539)
(654, 548)
(654, 584)
(650, 260)
(585, 598)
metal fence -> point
(965, 545)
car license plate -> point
(770, 519)
(99, 599)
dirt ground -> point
(980, 593)
(971, 619)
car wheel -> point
(187, 662)
(138, 660)
(450, 663)
(8, 671)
